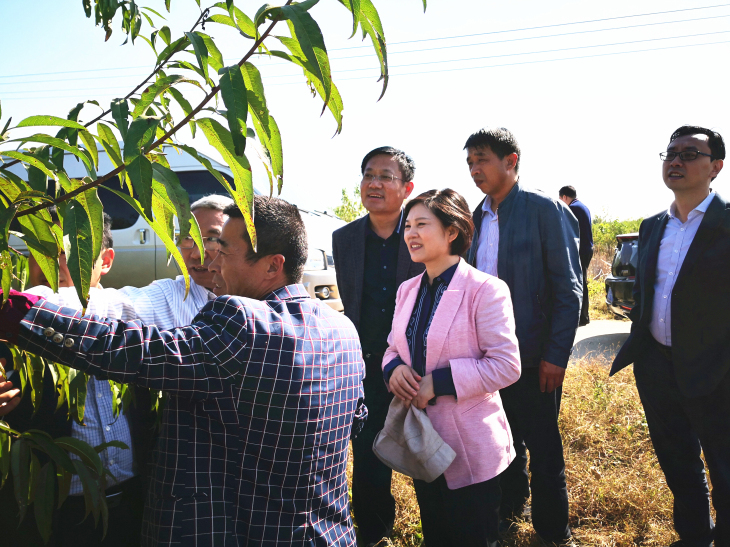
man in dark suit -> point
(371, 261)
(569, 196)
(265, 389)
(680, 336)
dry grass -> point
(599, 268)
(616, 488)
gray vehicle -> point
(140, 255)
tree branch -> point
(155, 144)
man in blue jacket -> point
(530, 241)
(569, 196)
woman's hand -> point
(425, 392)
(404, 383)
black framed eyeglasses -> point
(384, 179)
(685, 155)
(209, 243)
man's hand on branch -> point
(8, 396)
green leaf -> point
(36, 368)
(120, 113)
(201, 53)
(79, 244)
(46, 443)
(114, 444)
(44, 166)
(45, 497)
(139, 168)
(37, 178)
(5, 441)
(165, 34)
(11, 185)
(233, 90)
(175, 194)
(92, 494)
(89, 200)
(263, 122)
(151, 93)
(174, 47)
(54, 121)
(64, 485)
(109, 142)
(155, 12)
(221, 20)
(219, 137)
(6, 264)
(61, 145)
(242, 21)
(83, 450)
(185, 105)
(19, 465)
(91, 147)
(215, 57)
(167, 5)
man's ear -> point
(717, 168)
(275, 265)
(107, 259)
(511, 160)
(409, 187)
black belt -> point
(666, 351)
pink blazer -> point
(473, 332)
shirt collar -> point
(442, 279)
(487, 207)
(369, 230)
(701, 208)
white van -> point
(141, 257)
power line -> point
(391, 53)
(535, 61)
(419, 40)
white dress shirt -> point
(676, 241)
(488, 249)
(163, 302)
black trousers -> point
(372, 502)
(465, 517)
(681, 428)
(533, 419)
(585, 261)
(126, 506)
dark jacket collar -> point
(288, 292)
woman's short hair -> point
(451, 209)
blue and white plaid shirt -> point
(264, 396)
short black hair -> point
(405, 162)
(279, 230)
(499, 140)
(451, 209)
(107, 241)
(568, 191)
(715, 142)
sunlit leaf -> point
(233, 91)
(151, 93)
(141, 132)
(4, 455)
(61, 145)
(176, 195)
(79, 244)
(36, 368)
(33, 121)
(90, 145)
(165, 34)
(185, 105)
(91, 203)
(174, 47)
(219, 137)
(201, 53)
(215, 57)
(120, 113)
(263, 122)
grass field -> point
(617, 491)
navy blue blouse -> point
(424, 309)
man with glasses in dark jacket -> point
(530, 241)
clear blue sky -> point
(585, 113)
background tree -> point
(351, 207)
(230, 111)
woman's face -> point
(426, 237)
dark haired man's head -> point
(404, 161)
(387, 181)
(280, 255)
(499, 140)
(453, 214)
(567, 194)
(714, 139)
(493, 157)
(704, 152)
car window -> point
(199, 184)
(123, 215)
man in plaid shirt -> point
(265, 390)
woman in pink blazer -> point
(451, 349)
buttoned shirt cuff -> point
(443, 382)
(13, 312)
(390, 367)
